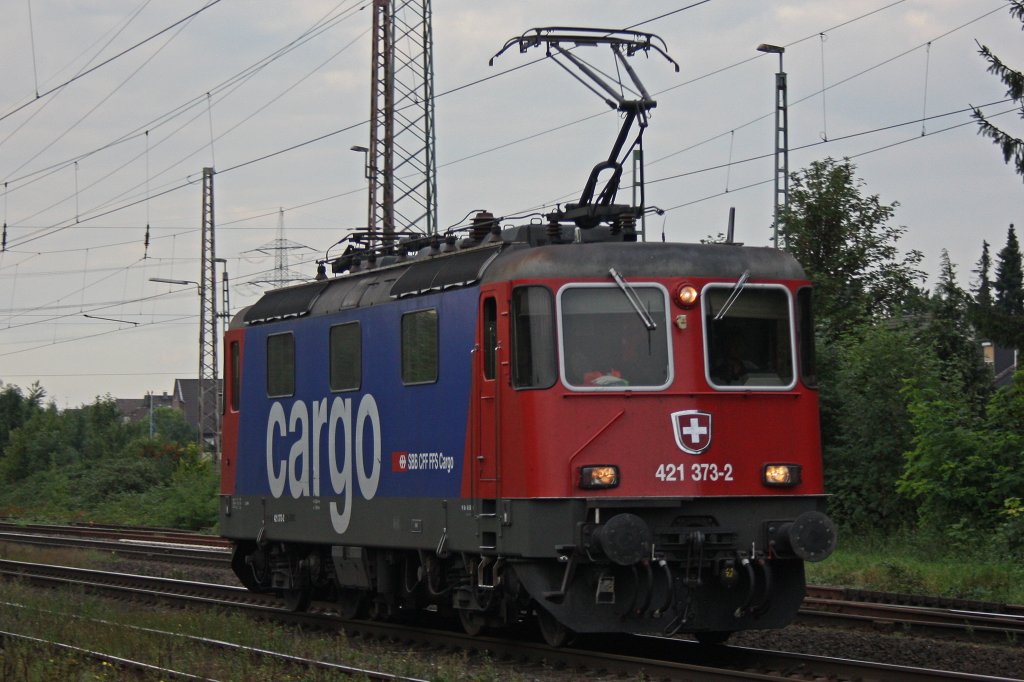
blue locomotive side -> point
(388, 436)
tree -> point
(949, 331)
(983, 289)
(1009, 281)
(1011, 147)
(33, 446)
(845, 242)
(965, 470)
(1001, 318)
(868, 423)
(16, 409)
(172, 426)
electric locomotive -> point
(545, 419)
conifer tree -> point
(1011, 147)
(983, 289)
(1001, 317)
(1009, 281)
(950, 333)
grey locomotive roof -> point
(644, 259)
(507, 261)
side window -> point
(419, 347)
(280, 365)
(346, 357)
(490, 335)
(805, 320)
(533, 338)
(236, 374)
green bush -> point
(965, 470)
(88, 465)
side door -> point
(486, 435)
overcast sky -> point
(883, 82)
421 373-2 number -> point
(698, 471)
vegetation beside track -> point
(120, 629)
(915, 564)
(88, 465)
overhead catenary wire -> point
(509, 70)
(40, 95)
(54, 140)
(53, 228)
(646, 21)
(321, 25)
(824, 91)
(874, 150)
(758, 183)
(56, 228)
(924, 97)
(50, 100)
(731, 133)
(32, 43)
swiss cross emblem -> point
(693, 430)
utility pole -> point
(209, 415)
(402, 167)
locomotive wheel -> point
(712, 637)
(553, 632)
(297, 599)
(473, 622)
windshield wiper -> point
(633, 299)
(733, 295)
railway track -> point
(960, 619)
(216, 646)
(119, 534)
(826, 606)
(652, 657)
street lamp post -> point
(368, 174)
(781, 141)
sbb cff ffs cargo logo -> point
(693, 430)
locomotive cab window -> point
(346, 357)
(533, 338)
(280, 365)
(606, 342)
(490, 337)
(748, 340)
(234, 360)
(419, 347)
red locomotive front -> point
(650, 412)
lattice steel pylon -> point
(209, 415)
(402, 164)
(282, 274)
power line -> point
(898, 143)
(40, 95)
(529, 137)
(230, 84)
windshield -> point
(605, 344)
(751, 344)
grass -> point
(89, 622)
(914, 564)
